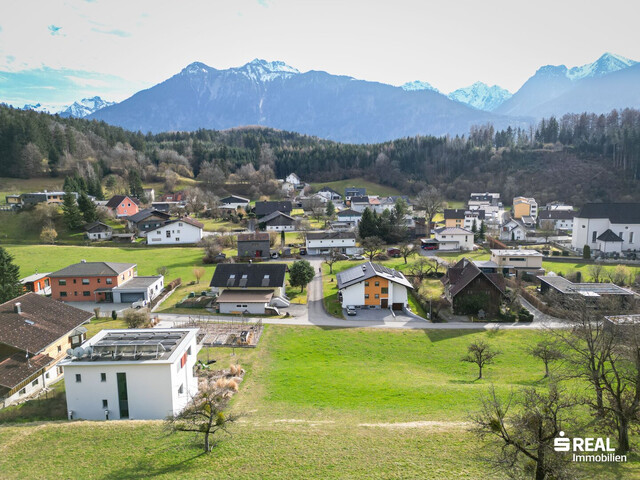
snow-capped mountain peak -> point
(418, 85)
(481, 96)
(607, 63)
(85, 107)
(263, 71)
(196, 68)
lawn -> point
(179, 260)
(566, 268)
(104, 323)
(316, 403)
(10, 186)
(16, 228)
(372, 188)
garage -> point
(131, 297)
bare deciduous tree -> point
(547, 350)
(372, 246)
(480, 353)
(431, 201)
(407, 250)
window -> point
(86, 293)
(46, 375)
(103, 377)
(85, 281)
(78, 378)
(594, 236)
(177, 239)
(74, 280)
(75, 294)
(35, 382)
(377, 295)
(62, 282)
(384, 290)
(109, 281)
(181, 389)
(366, 295)
(630, 237)
(105, 403)
(377, 284)
(59, 348)
(366, 284)
(63, 294)
(23, 391)
(98, 280)
(168, 234)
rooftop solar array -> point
(585, 289)
(125, 346)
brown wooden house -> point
(469, 289)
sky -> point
(58, 51)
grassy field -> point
(179, 260)
(316, 403)
(372, 188)
(566, 268)
(10, 186)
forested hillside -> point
(575, 158)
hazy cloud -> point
(115, 31)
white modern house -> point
(560, 218)
(454, 238)
(490, 203)
(293, 179)
(323, 243)
(517, 260)
(138, 288)
(143, 374)
(180, 231)
(329, 194)
(592, 224)
(233, 202)
(371, 285)
(513, 230)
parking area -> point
(380, 315)
(105, 308)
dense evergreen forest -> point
(576, 158)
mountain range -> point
(346, 109)
(79, 109)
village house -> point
(454, 238)
(525, 207)
(514, 230)
(595, 219)
(123, 205)
(34, 198)
(180, 231)
(98, 231)
(350, 192)
(560, 219)
(262, 209)
(469, 289)
(35, 333)
(349, 216)
(149, 194)
(515, 261)
(251, 288)
(277, 222)
(490, 203)
(293, 179)
(254, 245)
(39, 283)
(142, 374)
(463, 218)
(329, 194)
(324, 243)
(371, 285)
(233, 202)
(103, 282)
(146, 220)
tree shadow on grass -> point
(436, 335)
(142, 469)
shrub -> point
(137, 318)
(555, 253)
(114, 315)
(586, 251)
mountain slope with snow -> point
(418, 85)
(85, 107)
(481, 96)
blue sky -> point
(58, 51)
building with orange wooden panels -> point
(371, 285)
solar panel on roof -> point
(351, 274)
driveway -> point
(105, 308)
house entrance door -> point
(384, 302)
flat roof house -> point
(39, 283)
(249, 287)
(590, 291)
(323, 243)
(518, 260)
(371, 285)
(144, 374)
(35, 333)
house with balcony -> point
(371, 285)
(35, 334)
(525, 207)
(324, 243)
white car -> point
(357, 257)
(139, 304)
(351, 310)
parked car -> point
(341, 256)
(351, 310)
(139, 304)
(430, 247)
(357, 257)
(303, 251)
(394, 252)
(274, 254)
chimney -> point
(17, 308)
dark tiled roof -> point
(278, 218)
(187, 220)
(118, 199)
(234, 199)
(349, 213)
(146, 213)
(460, 213)
(359, 200)
(41, 322)
(609, 236)
(97, 227)
(91, 269)
(255, 273)
(615, 212)
(556, 215)
(265, 208)
(253, 237)
(355, 190)
(331, 235)
(16, 369)
(464, 272)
